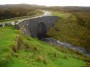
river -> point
(67, 45)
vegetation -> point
(18, 50)
(72, 27)
(17, 12)
(7, 39)
(16, 19)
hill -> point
(72, 27)
(18, 50)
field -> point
(72, 27)
(18, 50)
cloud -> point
(50, 2)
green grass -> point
(34, 53)
(61, 14)
(7, 36)
(7, 39)
(67, 29)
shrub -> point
(14, 48)
(20, 42)
(40, 58)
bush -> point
(20, 43)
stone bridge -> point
(37, 27)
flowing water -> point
(67, 45)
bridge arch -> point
(37, 27)
(41, 30)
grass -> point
(16, 19)
(7, 36)
(7, 39)
(68, 29)
(34, 53)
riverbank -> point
(70, 29)
(67, 45)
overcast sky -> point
(49, 2)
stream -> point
(67, 45)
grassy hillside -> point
(16, 19)
(18, 50)
(15, 12)
(72, 27)
(7, 39)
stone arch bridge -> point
(37, 27)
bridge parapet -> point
(30, 27)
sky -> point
(49, 2)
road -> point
(45, 13)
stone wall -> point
(29, 27)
